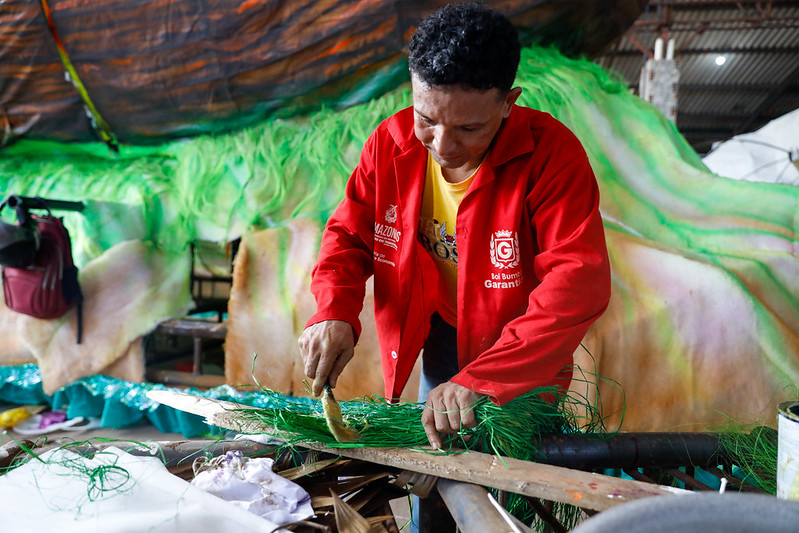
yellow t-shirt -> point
(440, 202)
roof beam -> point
(730, 24)
(706, 5)
(737, 87)
(737, 50)
(720, 50)
(715, 116)
(706, 133)
(769, 101)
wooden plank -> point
(193, 328)
(583, 489)
(183, 379)
(555, 483)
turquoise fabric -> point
(115, 402)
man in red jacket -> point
(479, 220)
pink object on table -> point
(52, 417)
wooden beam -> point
(555, 483)
(176, 378)
(642, 48)
(773, 96)
(187, 327)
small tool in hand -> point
(335, 422)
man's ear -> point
(510, 99)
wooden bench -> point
(198, 330)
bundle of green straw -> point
(508, 430)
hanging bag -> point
(45, 286)
(18, 242)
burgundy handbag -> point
(48, 286)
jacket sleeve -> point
(338, 281)
(572, 269)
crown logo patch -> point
(505, 249)
(391, 214)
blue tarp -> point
(118, 403)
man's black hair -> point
(466, 44)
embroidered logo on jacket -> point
(387, 235)
(391, 214)
(505, 249)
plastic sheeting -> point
(770, 154)
(116, 402)
(157, 71)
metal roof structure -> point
(758, 80)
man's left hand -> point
(449, 408)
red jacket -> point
(533, 270)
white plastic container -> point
(788, 451)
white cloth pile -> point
(251, 484)
(113, 492)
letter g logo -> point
(505, 249)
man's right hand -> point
(326, 348)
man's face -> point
(457, 125)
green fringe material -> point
(753, 454)
(509, 430)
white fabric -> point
(58, 494)
(770, 154)
(251, 484)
